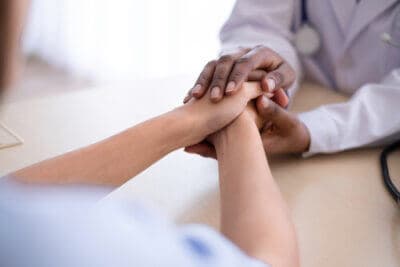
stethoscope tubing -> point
(392, 189)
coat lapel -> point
(343, 11)
(365, 12)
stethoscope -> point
(390, 186)
(308, 40)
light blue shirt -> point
(66, 226)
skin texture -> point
(226, 75)
(253, 212)
(111, 161)
(282, 133)
(254, 215)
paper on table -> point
(8, 138)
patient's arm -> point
(115, 160)
(253, 212)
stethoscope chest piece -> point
(307, 40)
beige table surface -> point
(342, 212)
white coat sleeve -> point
(370, 118)
(262, 22)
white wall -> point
(126, 39)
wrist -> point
(242, 126)
(187, 126)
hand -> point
(207, 147)
(248, 117)
(283, 132)
(226, 75)
(207, 117)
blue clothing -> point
(67, 226)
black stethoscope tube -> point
(304, 15)
(394, 192)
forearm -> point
(121, 157)
(369, 118)
(253, 212)
(116, 159)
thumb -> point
(281, 98)
(272, 112)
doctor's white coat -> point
(352, 59)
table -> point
(343, 215)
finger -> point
(281, 77)
(204, 80)
(264, 58)
(251, 90)
(257, 58)
(203, 149)
(221, 74)
(257, 75)
(274, 113)
(280, 97)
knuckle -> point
(225, 59)
(219, 76)
(211, 64)
(203, 79)
(237, 74)
(278, 77)
(244, 61)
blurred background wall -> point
(107, 40)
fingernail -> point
(230, 87)
(264, 101)
(215, 91)
(196, 89)
(271, 84)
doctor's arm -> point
(115, 160)
(369, 118)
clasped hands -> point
(224, 87)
